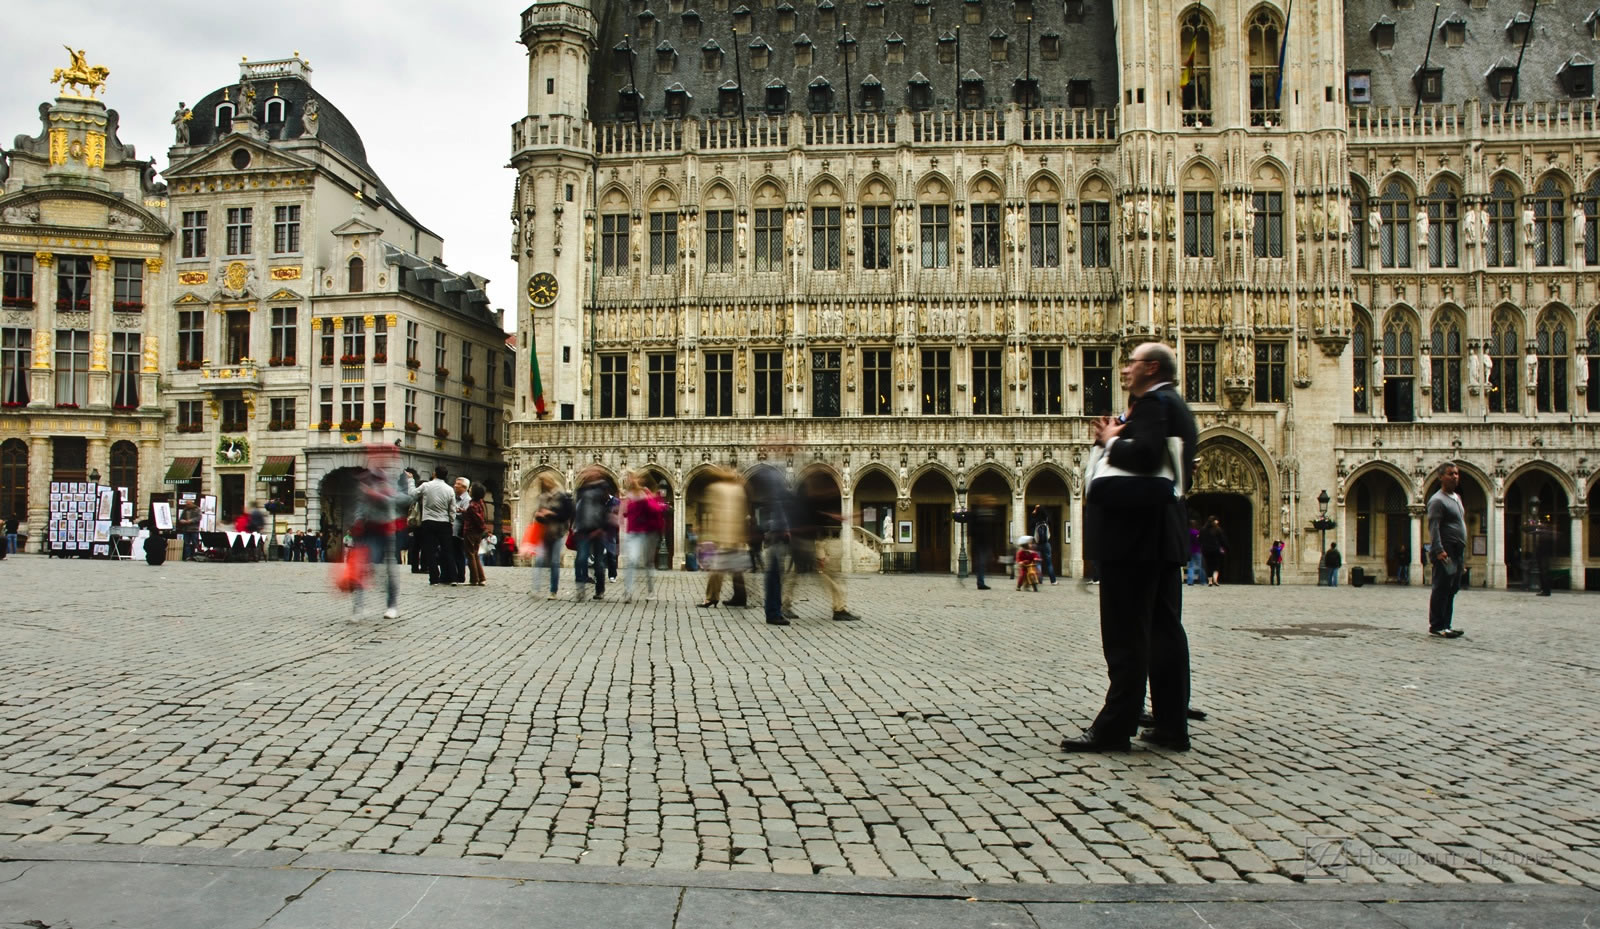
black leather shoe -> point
(845, 616)
(739, 602)
(1092, 741)
(1146, 719)
(983, 586)
(780, 621)
(1168, 740)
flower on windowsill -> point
(189, 427)
(66, 406)
(441, 433)
(352, 359)
(413, 427)
(274, 425)
(275, 361)
(80, 305)
(325, 425)
(349, 425)
(188, 365)
(380, 358)
(125, 407)
(413, 363)
(14, 404)
(468, 439)
(25, 303)
(442, 371)
(288, 361)
(468, 380)
(126, 306)
(377, 424)
(327, 359)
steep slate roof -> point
(334, 129)
(1087, 51)
(1560, 31)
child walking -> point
(1027, 564)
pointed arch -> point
(1549, 203)
(1361, 346)
(986, 184)
(1443, 204)
(1044, 185)
(1553, 338)
(1500, 208)
(661, 195)
(876, 187)
(1504, 350)
(1196, 30)
(827, 188)
(1446, 335)
(1263, 38)
(767, 191)
(718, 195)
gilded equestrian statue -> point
(80, 74)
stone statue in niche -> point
(1530, 365)
(1530, 226)
(1374, 225)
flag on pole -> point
(1188, 62)
(1283, 52)
(536, 384)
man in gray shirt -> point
(438, 505)
(1447, 537)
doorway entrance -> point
(1235, 513)
(232, 497)
(933, 538)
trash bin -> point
(1358, 576)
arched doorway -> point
(874, 500)
(656, 480)
(338, 494)
(1475, 499)
(1378, 524)
(125, 470)
(933, 500)
(1048, 492)
(1536, 496)
(1229, 482)
(14, 480)
(989, 520)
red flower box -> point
(123, 306)
(66, 406)
(377, 424)
(325, 425)
(380, 358)
(125, 407)
(413, 427)
(352, 359)
(13, 405)
(25, 303)
(327, 359)
(468, 380)
(441, 433)
(82, 305)
(349, 425)
(413, 363)
(188, 365)
(442, 371)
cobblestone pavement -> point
(240, 707)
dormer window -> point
(622, 56)
(819, 96)
(894, 49)
(1429, 83)
(802, 51)
(647, 25)
(1383, 34)
(1502, 79)
(1404, 4)
(224, 118)
(826, 16)
(777, 102)
(741, 20)
(921, 12)
(275, 112)
(729, 100)
(871, 94)
(1358, 88)
(357, 281)
(760, 55)
(677, 101)
(1025, 92)
(1517, 29)
(997, 46)
(1073, 11)
(972, 91)
(919, 93)
(1577, 76)
(1050, 46)
(1593, 22)
(874, 12)
(1021, 11)
(1454, 31)
(785, 18)
(628, 101)
(847, 48)
(947, 48)
(974, 11)
(691, 25)
(1080, 93)
(711, 56)
(666, 58)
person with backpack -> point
(1041, 542)
(553, 518)
(1275, 563)
(590, 524)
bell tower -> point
(553, 157)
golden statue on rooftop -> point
(80, 73)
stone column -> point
(1419, 528)
(847, 534)
(100, 457)
(100, 293)
(1497, 544)
(1578, 515)
(40, 466)
(1019, 516)
(40, 391)
(680, 522)
(150, 474)
(1071, 563)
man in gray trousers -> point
(1447, 536)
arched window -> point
(614, 228)
(768, 228)
(1361, 358)
(224, 119)
(1445, 347)
(358, 276)
(1358, 224)
(1552, 339)
(1199, 213)
(1591, 223)
(1505, 357)
(1194, 78)
(125, 470)
(1500, 244)
(1394, 239)
(14, 480)
(984, 223)
(1399, 367)
(717, 211)
(274, 112)
(1444, 226)
(1593, 388)
(663, 209)
(933, 203)
(1094, 223)
(1044, 224)
(827, 236)
(1266, 206)
(1264, 35)
(877, 225)
(1549, 224)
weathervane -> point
(80, 74)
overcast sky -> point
(432, 87)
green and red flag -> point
(536, 384)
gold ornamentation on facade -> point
(192, 277)
(151, 353)
(338, 322)
(291, 273)
(44, 259)
(79, 73)
(153, 264)
(316, 324)
(95, 157)
(102, 262)
(392, 320)
(370, 320)
(41, 348)
(97, 352)
(235, 276)
(58, 147)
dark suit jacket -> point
(1158, 530)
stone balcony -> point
(244, 375)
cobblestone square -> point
(241, 707)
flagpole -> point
(1283, 53)
(1427, 56)
(1516, 76)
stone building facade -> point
(83, 237)
(910, 244)
(311, 314)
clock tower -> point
(550, 203)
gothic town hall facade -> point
(909, 245)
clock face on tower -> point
(542, 289)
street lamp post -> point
(961, 520)
(94, 476)
(1322, 525)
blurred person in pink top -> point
(643, 520)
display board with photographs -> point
(73, 508)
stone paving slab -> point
(239, 708)
(86, 895)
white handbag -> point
(1100, 469)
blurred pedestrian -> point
(1331, 563)
(474, 525)
(1275, 563)
(771, 499)
(1213, 549)
(381, 503)
(812, 551)
(642, 514)
(458, 549)
(1042, 535)
(726, 516)
(591, 520)
(554, 519)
